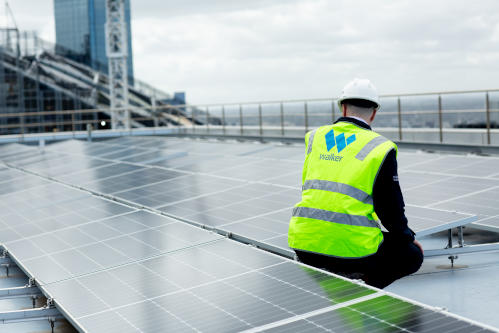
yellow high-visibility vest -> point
(336, 214)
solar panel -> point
(21, 184)
(67, 164)
(261, 170)
(32, 156)
(131, 180)
(124, 153)
(121, 235)
(48, 208)
(235, 186)
(382, 314)
(109, 267)
(211, 288)
(154, 156)
(457, 183)
(13, 149)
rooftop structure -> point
(45, 92)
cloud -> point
(234, 50)
(311, 48)
(37, 15)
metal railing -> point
(469, 117)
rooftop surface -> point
(238, 189)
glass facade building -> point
(81, 35)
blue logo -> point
(339, 141)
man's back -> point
(336, 215)
(349, 180)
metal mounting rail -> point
(6, 261)
(462, 250)
(49, 313)
(25, 291)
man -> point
(349, 182)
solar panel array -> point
(111, 267)
(247, 189)
(464, 183)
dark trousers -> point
(394, 260)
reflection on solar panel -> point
(466, 184)
(382, 314)
(243, 188)
(208, 288)
(103, 242)
(113, 268)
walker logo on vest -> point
(339, 141)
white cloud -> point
(234, 50)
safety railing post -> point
(193, 112)
(487, 114)
(22, 125)
(260, 119)
(241, 118)
(223, 119)
(73, 121)
(282, 119)
(89, 132)
(399, 112)
(207, 119)
(440, 117)
(306, 116)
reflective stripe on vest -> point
(325, 215)
(310, 141)
(370, 147)
(326, 185)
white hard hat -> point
(359, 89)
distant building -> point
(39, 87)
(80, 32)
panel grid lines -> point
(106, 242)
(147, 272)
(179, 291)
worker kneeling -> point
(349, 181)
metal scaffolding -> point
(116, 49)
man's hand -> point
(418, 244)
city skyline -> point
(271, 50)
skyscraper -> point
(80, 31)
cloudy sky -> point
(240, 50)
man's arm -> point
(388, 200)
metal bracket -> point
(31, 282)
(6, 269)
(460, 235)
(452, 258)
(52, 323)
(449, 239)
(450, 246)
(460, 250)
(50, 303)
